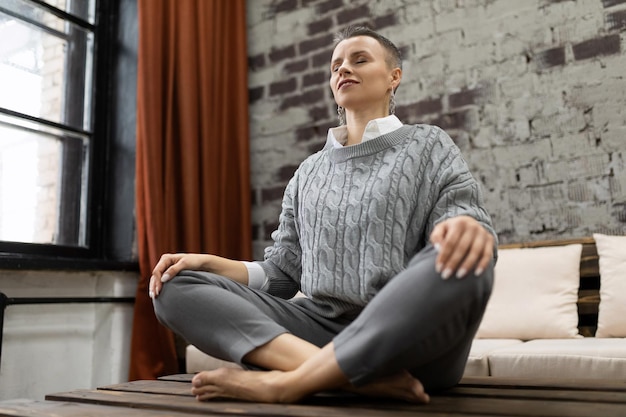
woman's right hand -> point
(171, 264)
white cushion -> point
(477, 363)
(589, 357)
(612, 309)
(534, 295)
(196, 361)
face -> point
(361, 77)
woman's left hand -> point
(464, 245)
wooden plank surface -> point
(536, 394)
(32, 408)
(462, 401)
(478, 396)
(153, 387)
(177, 377)
(338, 408)
(546, 383)
(604, 391)
(587, 240)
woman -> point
(371, 228)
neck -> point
(357, 121)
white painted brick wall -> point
(545, 136)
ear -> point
(396, 77)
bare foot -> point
(274, 387)
(266, 387)
(402, 386)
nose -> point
(344, 69)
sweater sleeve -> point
(455, 190)
(282, 260)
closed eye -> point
(335, 68)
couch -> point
(558, 309)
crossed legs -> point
(418, 325)
(317, 373)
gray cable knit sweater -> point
(353, 217)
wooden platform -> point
(170, 396)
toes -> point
(410, 388)
(418, 394)
(204, 386)
(199, 379)
(207, 396)
(207, 377)
(208, 392)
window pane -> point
(45, 68)
(83, 9)
(42, 185)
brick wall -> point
(533, 92)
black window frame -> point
(110, 241)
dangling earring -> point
(392, 102)
(341, 113)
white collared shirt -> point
(373, 129)
(338, 136)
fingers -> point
(464, 245)
(449, 235)
(164, 270)
(152, 288)
(478, 256)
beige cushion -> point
(196, 361)
(589, 357)
(477, 363)
(612, 309)
(534, 295)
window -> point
(51, 96)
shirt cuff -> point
(256, 275)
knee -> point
(423, 266)
(474, 292)
(177, 293)
(164, 303)
(484, 283)
(476, 289)
(470, 293)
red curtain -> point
(192, 163)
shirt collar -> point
(338, 136)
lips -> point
(345, 83)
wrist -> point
(209, 264)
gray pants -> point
(418, 322)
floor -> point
(170, 396)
